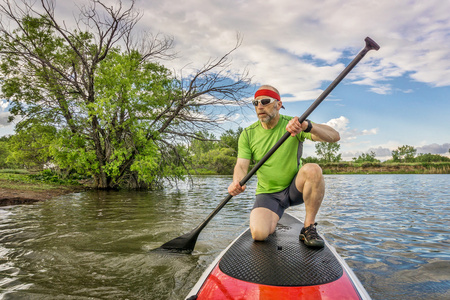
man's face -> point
(266, 113)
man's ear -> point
(279, 105)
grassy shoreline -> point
(348, 168)
(18, 187)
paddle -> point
(186, 242)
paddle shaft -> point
(370, 44)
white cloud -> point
(340, 124)
(348, 134)
(4, 114)
(298, 45)
(381, 153)
(434, 149)
(372, 131)
(4, 119)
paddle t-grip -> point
(371, 44)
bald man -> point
(282, 180)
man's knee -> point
(259, 234)
(263, 222)
(311, 170)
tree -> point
(202, 143)
(29, 147)
(404, 153)
(366, 157)
(118, 114)
(4, 152)
(310, 159)
(216, 156)
(230, 139)
(221, 160)
(327, 152)
(428, 157)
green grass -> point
(24, 180)
(201, 171)
(14, 171)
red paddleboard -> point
(281, 267)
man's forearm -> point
(240, 169)
(324, 133)
(239, 172)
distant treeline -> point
(386, 168)
(218, 156)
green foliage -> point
(145, 163)
(407, 153)
(428, 157)
(310, 159)
(4, 153)
(201, 143)
(85, 105)
(366, 157)
(29, 147)
(129, 93)
(404, 153)
(328, 152)
(51, 177)
(230, 139)
(46, 176)
(74, 152)
(29, 84)
(210, 155)
(221, 160)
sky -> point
(396, 96)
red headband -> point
(268, 93)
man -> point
(282, 180)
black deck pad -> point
(281, 260)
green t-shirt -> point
(278, 171)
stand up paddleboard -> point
(281, 267)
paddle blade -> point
(183, 244)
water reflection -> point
(392, 230)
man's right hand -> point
(235, 188)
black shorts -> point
(279, 201)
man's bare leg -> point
(263, 222)
(311, 184)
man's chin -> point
(264, 119)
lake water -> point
(393, 231)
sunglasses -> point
(264, 101)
